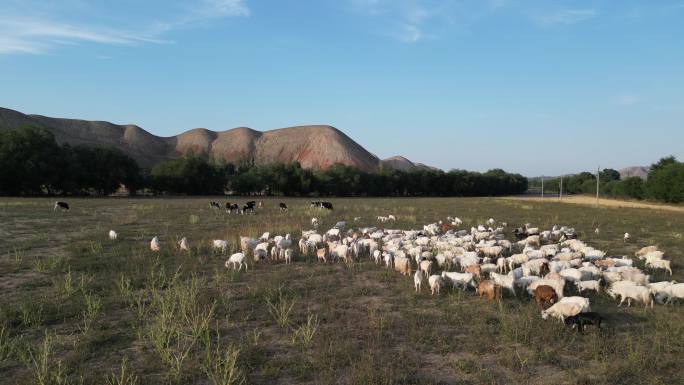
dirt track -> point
(586, 200)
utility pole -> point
(598, 173)
(542, 186)
(560, 197)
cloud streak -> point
(31, 34)
(567, 17)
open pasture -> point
(77, 307)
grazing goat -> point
(220, 244)
(459, 279)
(545, 296)
(288, 256)
(236, 260)
(418, 280)
(183, 244)
(594, 285)
(489, 289)
(113, 235)
(154, 244)
(632, 292)
(561, 310)
(436, 282)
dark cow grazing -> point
(234, 207)
(582, 319)
(251, 204)
(321, 205)
(283, 206)
(61, 205)
(214, 205)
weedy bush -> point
(40, 362)
(304, 334)
(93, 307)
(194, 219)
(66, 286)
(176, 321)
(124, 376)
(279, 306)
(220, 363)
(6, 343)
(31, 313)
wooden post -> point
(598, 173)
(542, 186)
(560, 197)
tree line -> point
(665, 183)
(32, 163)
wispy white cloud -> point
(627, 99)
(25, 33)
(566, 17)
(404, 20)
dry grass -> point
(79, 308)
(605, 202)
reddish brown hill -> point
(315, 147)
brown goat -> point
(475, 270)
(545, 296)
(489, 289)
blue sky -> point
(536, 87)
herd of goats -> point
(546, 264)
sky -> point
(531, 86)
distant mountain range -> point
(314, 147)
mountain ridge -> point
(313, 146)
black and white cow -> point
(214, 205)
(283, 206)
(61, 205)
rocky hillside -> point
(639, 171)
(316, 147)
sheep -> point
(288, 256)
(524, 282)
(501, 265)
(632, 292)
(436, 282)
(674, 291)
(236, 260)
(112, 235)
(594, 285)
(456, 279)
(561, 310)
(314, 222)
(475, 270)
(418, 280)
(557, 285)
(426, 267)
(392, 218)
(505, 281)
(581, 301)
(645, 250)
(571, 275)
(183, 244)
(626, 238)
(377, 257)
(402, 265)
(657, 287)
(545, 295)
(260, 254)
(321, 255)
(154, 244)
(219, 244)
(489, 289)
(660, 264)
(247, 244)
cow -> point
(214, 205)
(283, 206)
(61, 205)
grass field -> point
(78, 308)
